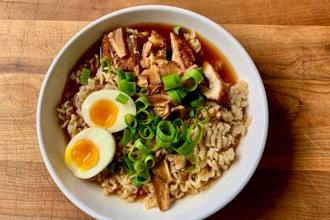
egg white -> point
(106, 145)
(123, 109)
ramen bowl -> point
(88, 196)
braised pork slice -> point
(114, 46)
(118, 43)
(182, 53)
(217, 89)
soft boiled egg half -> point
(102, 109)
(93, 149)
(89, 152)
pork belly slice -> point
(217, 90)
(121, 49)
(182, 53)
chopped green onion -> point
(162, 143)
(142, 102)
(181, 130)
(186, 148)
(144, 91)
(196, 75)
(191, 113)
(197, 100)
(181, 92)
(190, 133)
(85, 76)
(120, 74)
(192, 79)
(172, 81)
(149, 161)
(165, 131)
(130, 76)
(127, 136)
(130, 121)
(200, 69)
(144, 117)
(139, 145)
(127, 87)
(173, 94)
(190, 163)
(128, 166)
(109, 66)
(135, 155)
(177, 30)
(141, 178)
(123, 99)
(146, 132)
(112, 167)
(203, 115)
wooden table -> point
(290, 44)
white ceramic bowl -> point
(87, 196)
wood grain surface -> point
(288, 40)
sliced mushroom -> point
(154, 50)
(162, 193)
(182, 53)
(168, 68)
(217, 89)
(149, 77)
(162, 170)
(160, 104)
(180, 111)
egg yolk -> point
(103, 113)
(84, 154)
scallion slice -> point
(196, 100)
(190, 163)
(192, 79)
(141, 146)
(144, 117)
(149, 161)
(203, 115)
(120, 74)
(190, 133)
(172, 81)
(142, 102)
(173, 94)
(130, 76)
(127, 136)
(146, 132)
(130, 121)
(112, 167)
(123, 99)
(127, 86)
(85, 76)
(186, 148)
(109, 66)
(177, 30)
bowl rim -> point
(46, 160)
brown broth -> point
(210, 52)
